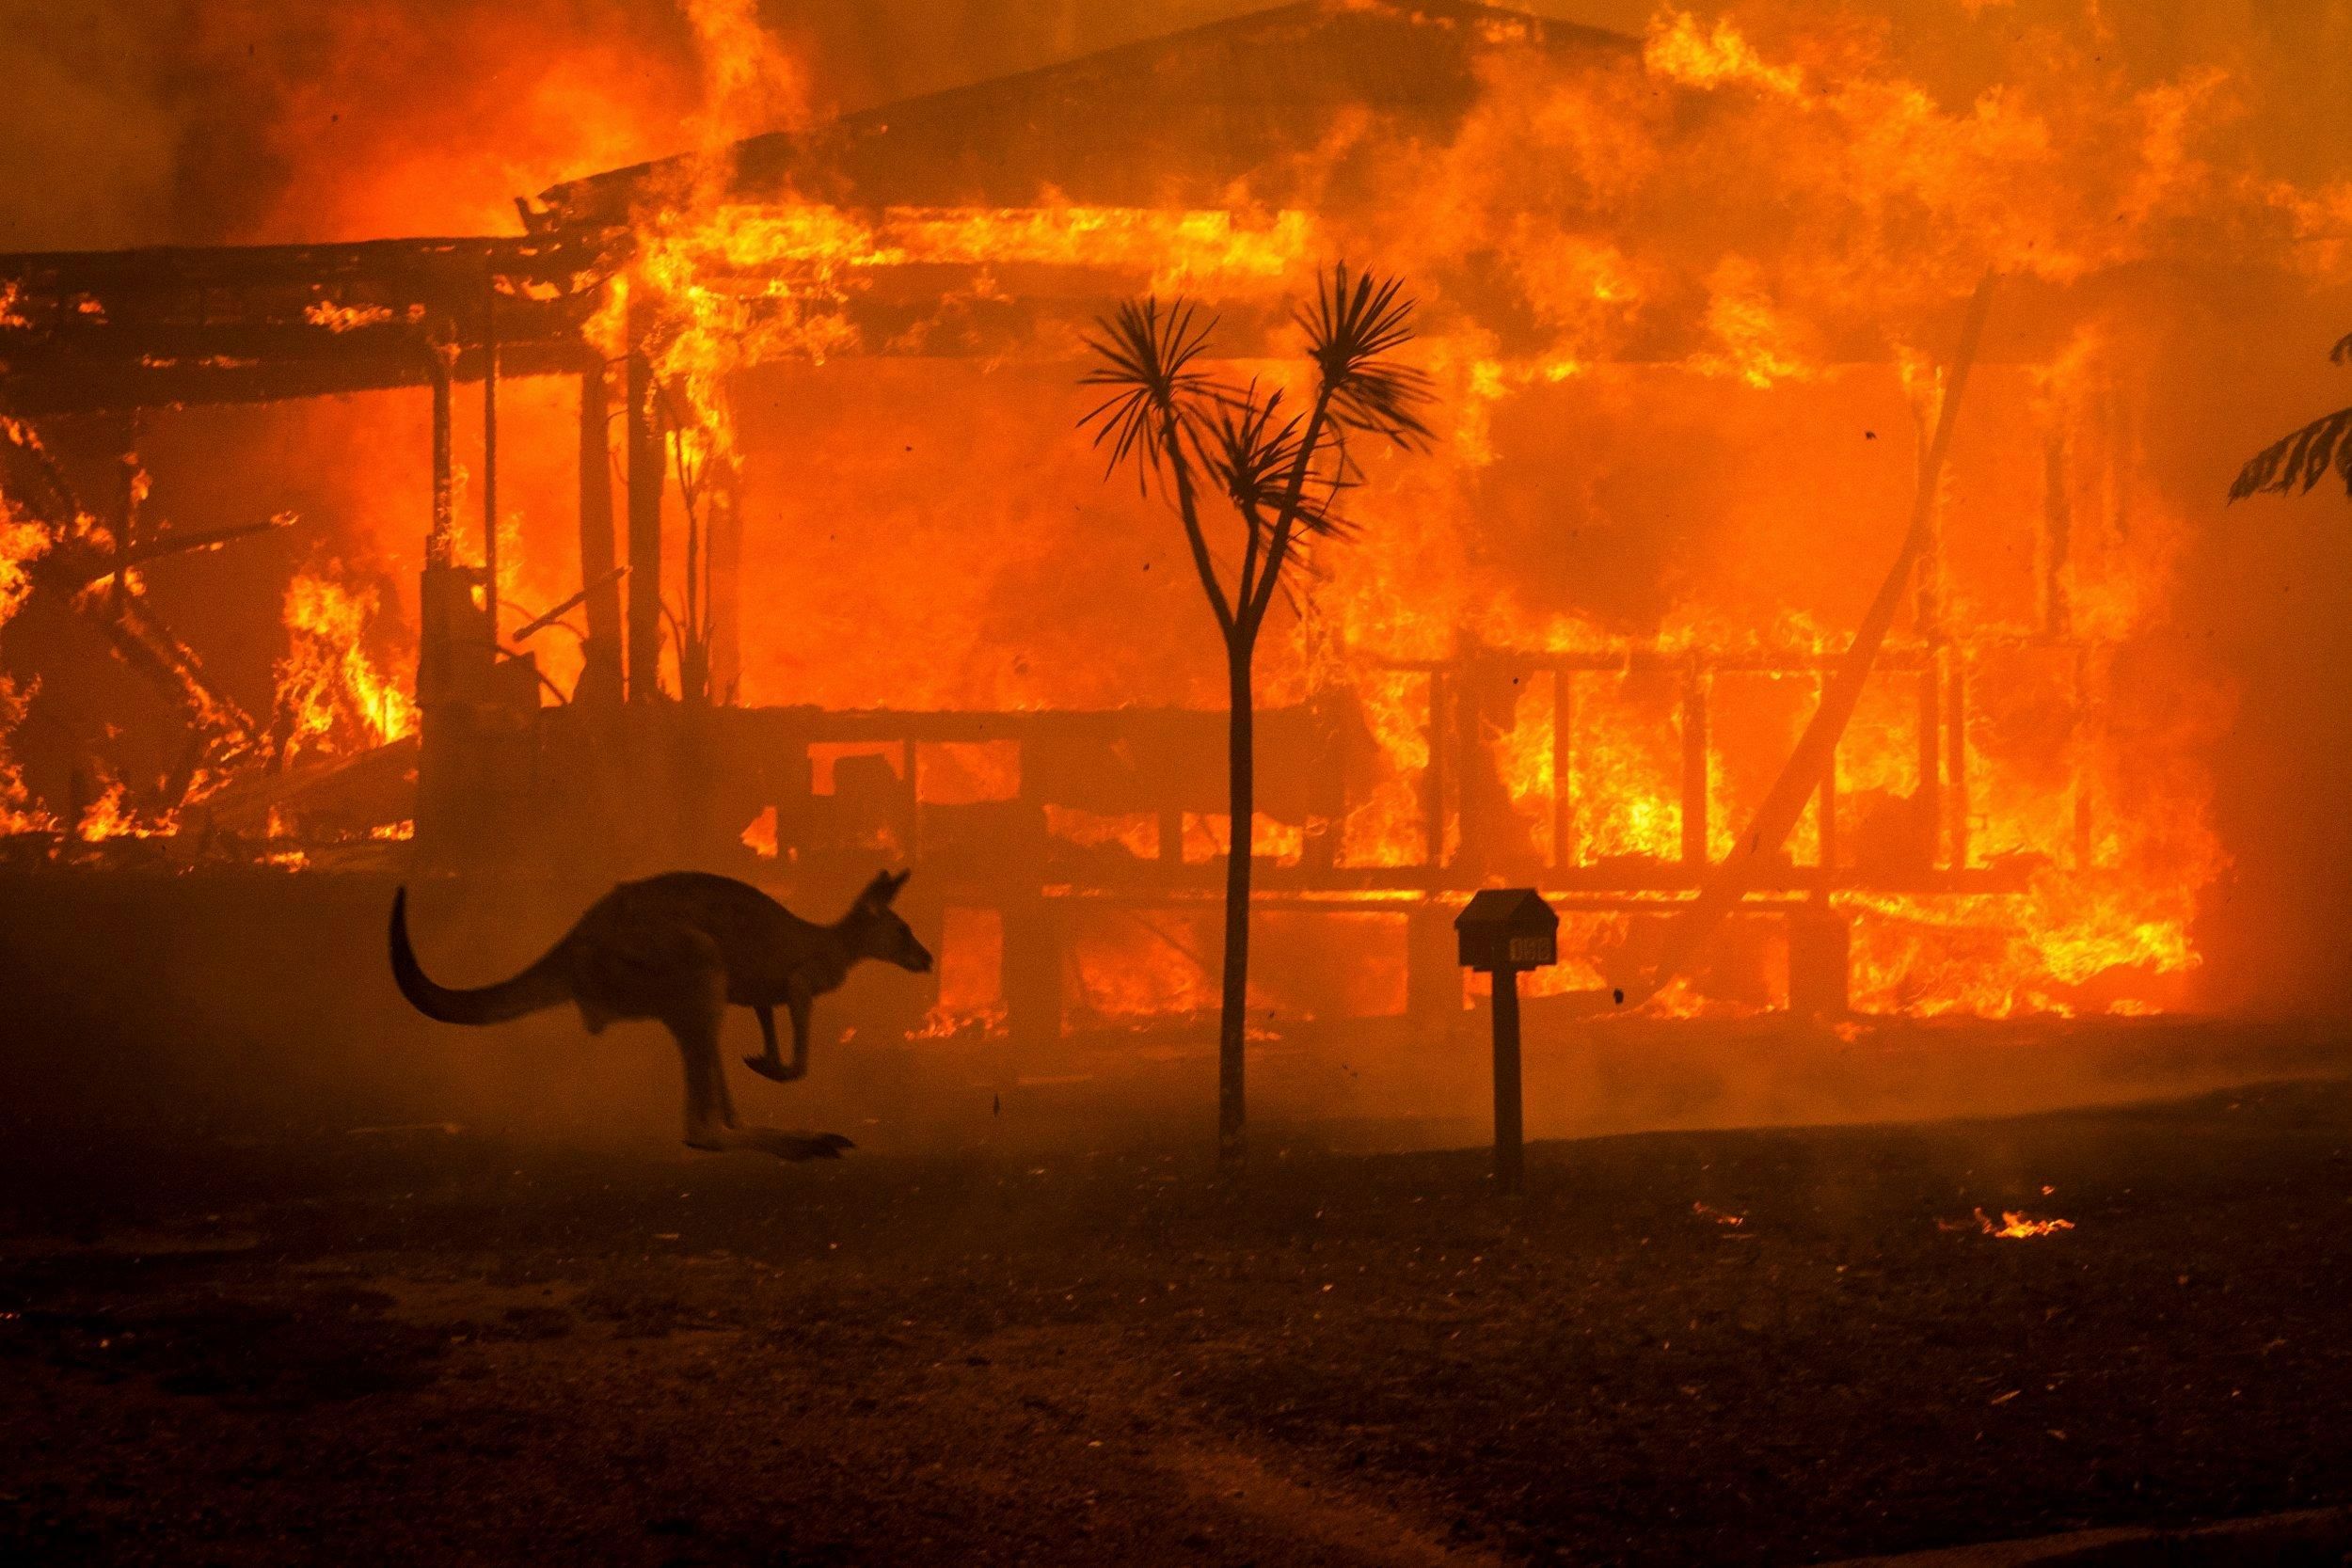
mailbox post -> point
(1503, 930)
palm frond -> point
(2300, 460)
(1148, 359)
(1352, 330)
(1253, 446)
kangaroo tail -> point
(542, 985)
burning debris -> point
(2016, 1225)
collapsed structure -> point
(1594, 718)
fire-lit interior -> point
(763, 460)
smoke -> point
(169, 121)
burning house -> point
(748, 525)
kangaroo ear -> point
(882, 889)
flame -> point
(22, 543)
(2018, 1226)
(759, 836)
(112, 817)
(1754, 338)
(971, 1003)
(332, 695)
(1680, 50)
(346, 318)
(1141, 964)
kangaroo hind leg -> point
(709, 1109)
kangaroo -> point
(679, 948)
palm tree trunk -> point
(1233, 1017)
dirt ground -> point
(433, 1346)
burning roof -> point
(1236, 110)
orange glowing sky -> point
(146, 121)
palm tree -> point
(2296, 463)
(1280, 470)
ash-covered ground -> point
(439, 1347)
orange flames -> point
(333, 697)
(2017, 1226)
(112, 817)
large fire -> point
(1690, 304)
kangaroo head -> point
(875, 930)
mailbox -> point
(1503, 930)
(1510, 927)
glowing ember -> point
(759, 837)
(345, 318)
(2016, 1225)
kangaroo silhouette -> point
(679, 948)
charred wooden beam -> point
(440, 540)
(600, 562)
(1653, 658)
(143, 328)
(557, 611)
(1694, 765)
(723, 572)
(86, 565)
(645, 526)
(490, 451)
(76, 556)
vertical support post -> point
(598, 553)
(1510, 1149)
(440, 543)
(1695, 749)
(644, 522)
(490, 456)
(724, 571)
